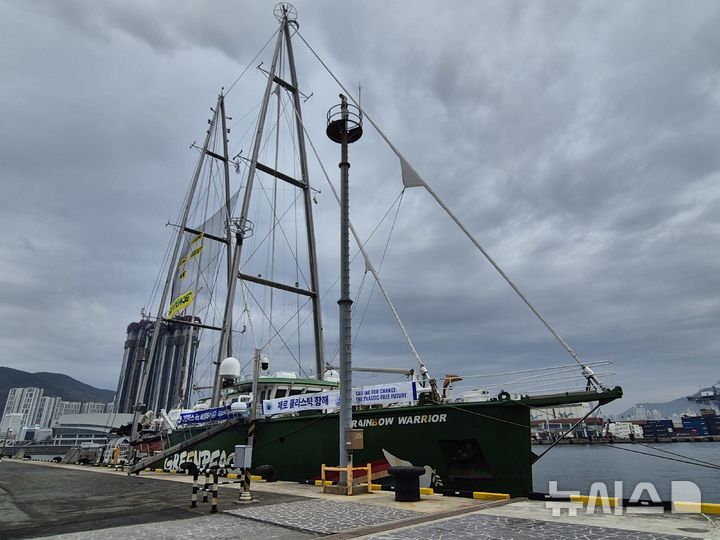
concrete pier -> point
(73, 502)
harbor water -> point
(577, 466)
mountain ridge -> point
(53, 384)
(666, 408)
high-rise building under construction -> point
(170, 380)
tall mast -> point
(312, 252)
(148, 361)
(285, 14)
(228, 195)
(190, 333)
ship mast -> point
(242, 227)
(148, 356)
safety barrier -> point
(349, 471)
(193, 469)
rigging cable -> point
(418, 181)
(274, 211)
(361, 251)
(697, 462)
(158, 278)
(382, 260)
(368, 263)
(258, 245)
(711, 466)
(278, 335)
(597, 363)
(676, 454)
(293, 316)
(252, 61)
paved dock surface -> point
(39, 500)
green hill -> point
(54, 384)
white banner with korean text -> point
(378, 394)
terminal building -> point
(91, 428)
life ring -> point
(504, 396)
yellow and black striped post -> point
(251, 439)
(246, 481)
(251, 431)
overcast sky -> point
(579, 142)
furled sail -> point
(197, 264)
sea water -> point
(577, 466)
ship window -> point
(280, 393)
(296, 391)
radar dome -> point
(332, 376)
(229, 368)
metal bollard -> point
(245, 493)
(206, 489)
(193, 497)
(192, 468)
(214, 493)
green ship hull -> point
(478, 446)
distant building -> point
(10, 425)
(46, 410)
(92, 407)
(75, 429)
(28, 408)
(552, 429)
(24, 401)
(66, 407)
(170, 382)
(639, 412)
(34, 434)
(12, 403)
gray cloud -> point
(578, 142)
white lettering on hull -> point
(201, 458)
(401, 420)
